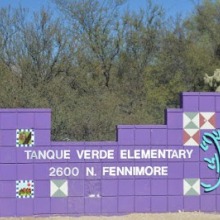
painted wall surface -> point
(149, 168)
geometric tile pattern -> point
(191, 137)
(24, 138)
(24, 189)
(193, 122)
(191, 187)
(207, 120)
(58, 188)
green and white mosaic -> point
(58, 188)
(191, 187)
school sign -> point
(149, 168)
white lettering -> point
(50, 155)
(174, 155)
(155, 154)
(182, 154)
(27, 154)
(33, 155)
(135, 171)
(47, 154)
(80, 153)
(123, 154)
(189, 152)
(95, 154)
(90, 171)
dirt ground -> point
(167, 216)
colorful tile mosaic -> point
(24, 189)
(58, 188)
(191, 137)
(193, 122)
(191, 187)
(24, 137)
(207, 120)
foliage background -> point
(97, 66)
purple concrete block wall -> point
(79, 186)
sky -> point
(172, 7)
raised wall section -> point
(150, 168)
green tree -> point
(96, 25)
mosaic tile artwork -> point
(24, 138)
(58, 188)
(191, 137)
(207, 120)
(24, 189)
(191, 120)
(191, 187)
(193, 123)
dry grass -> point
(167, 216)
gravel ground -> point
(168, 216)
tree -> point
(99, 66)
(96, 25)
(9, 34)
(45, 49)
(203, 33)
